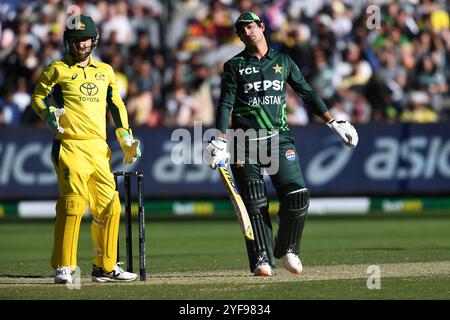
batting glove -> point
(216, 152)
(51, 115)
(345, 131)
(129, 146)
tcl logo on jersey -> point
(248, 71)
(259, 86)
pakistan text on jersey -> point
(270, 100)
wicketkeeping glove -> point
(345, 131)
(51, 115)
(129, 146)
(215, 152)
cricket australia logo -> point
(80, 26)
(99, 76)
(89, 89)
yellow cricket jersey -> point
(84, 93)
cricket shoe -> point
(63, 275)
(292, 263)
(117, 275)
(263, 270)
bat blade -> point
(238, 203)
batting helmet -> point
(77, 28)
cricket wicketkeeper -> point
(83, 89)
(253, 91)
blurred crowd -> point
(377, 61)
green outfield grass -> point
(207, 260)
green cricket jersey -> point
(253, 91)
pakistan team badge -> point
(277, 68)
(290, 155)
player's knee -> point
(113, 208)
(295, 203)
(71, 205)
(254, 196)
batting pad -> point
(292, 214)
(105, 232)
(259, 250)
(69, 211)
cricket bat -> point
(238, 203)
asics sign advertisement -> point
(389, 160)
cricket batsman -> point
(253, 92)
(83, 89)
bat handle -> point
(222, 164)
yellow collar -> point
(69, 60)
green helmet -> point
(245, 18)
(80, 27)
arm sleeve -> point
(115, 103)
(227, 97)
(43, 89)
(298, 82)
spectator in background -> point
(142, 48)
(120, 72)
(341, 22)
(356, 74)
(242, 6)
(21, 97)
(117, 22)
(296, 113)
(393, 76)
(439, 18)
(49, 54)
(9, 111)
(144, 87)
(432, 80)
(218, 24)
(139, 105)
(355, 70)
(297, 43)
(418, 110)
(183, 11)
(181, 108)
(145, 18)
(202, 92)
(361, 111)
(41, 28)
(325, 80)
(408, 61)
(338, 110)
